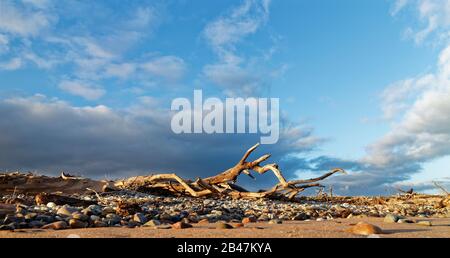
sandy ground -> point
(294, 229)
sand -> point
(291, 229)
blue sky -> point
(86, 86)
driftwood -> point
(58, 199)
(7, 209)
(34, 184)
(222, 184)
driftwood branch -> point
(222, 184)
(441, 188)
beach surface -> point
(291, 229)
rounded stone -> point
(66, 211)
(113, 218)
(56, 225)
(250, 219)
(80, 216)
(51, 205)
(74, 223)
(140, 218)
(36, 224)
(275, 221)
(181, 225)
(152, 223)
(391, 218)
(365, 229)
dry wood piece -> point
(34, 184)
(224, 183)
(44, 198)
(7, 209)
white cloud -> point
(423, 133)
(233, 78)
(434, 15)
(242, 21)
(92, 48)
(143, 18)
(398, 6)
(23, 22)
(233, 72)
(122, 71)
(397, 97)
(171, 68)
(43, 63)
(4, 44)
(12, 64)
(82, 89)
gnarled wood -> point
(224, 183)
(34, 184)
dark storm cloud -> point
(47, 136)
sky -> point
(86, 87)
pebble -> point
(275, 221)
(391, 218)
(100, 224)
(51, 205)
(94, 217)
(225, 210)
(108, 210)
(113, 218)
(36, 224)
(250, 219)
(74, 223)
(66, 211)
(80, 216)
(365, 229)
(152, 223)
(45, 218)
(56, 225)
(140, 218)
(181, 225)
(30, 216)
